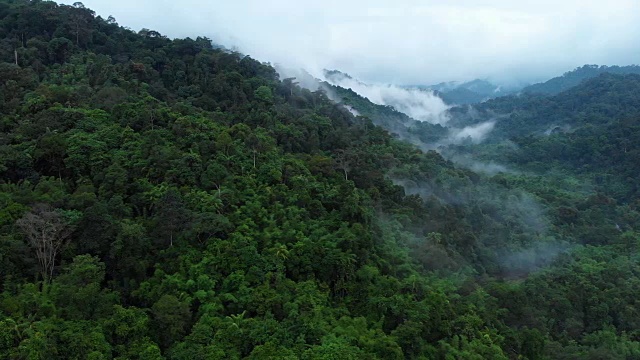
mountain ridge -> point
(574, 77)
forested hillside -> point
(169, 199)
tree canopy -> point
(196, 206)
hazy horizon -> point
(408, 42)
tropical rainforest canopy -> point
(171, 199)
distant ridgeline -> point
(472, 92)
(171, 199)
(477, 91)
(602, 100)
(577, 76)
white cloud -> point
(418, 104)
(475, 133)
(405, 41)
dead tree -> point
(343, 161)
(47, 231)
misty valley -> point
(177, 199)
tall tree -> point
(47, 230)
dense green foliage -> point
(197, 207)
(577, 153)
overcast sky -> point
(404, 41)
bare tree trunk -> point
(254, 159)
(47, 232)
(15, 52)
(343, 162)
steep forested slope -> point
(170, 199)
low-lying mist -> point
(509, 226)
(474, 133)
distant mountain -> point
(462, 96)
(336, 75)
(482, 87)
(470, 92)
(590, 130)
(575, 77)
(594, 102)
